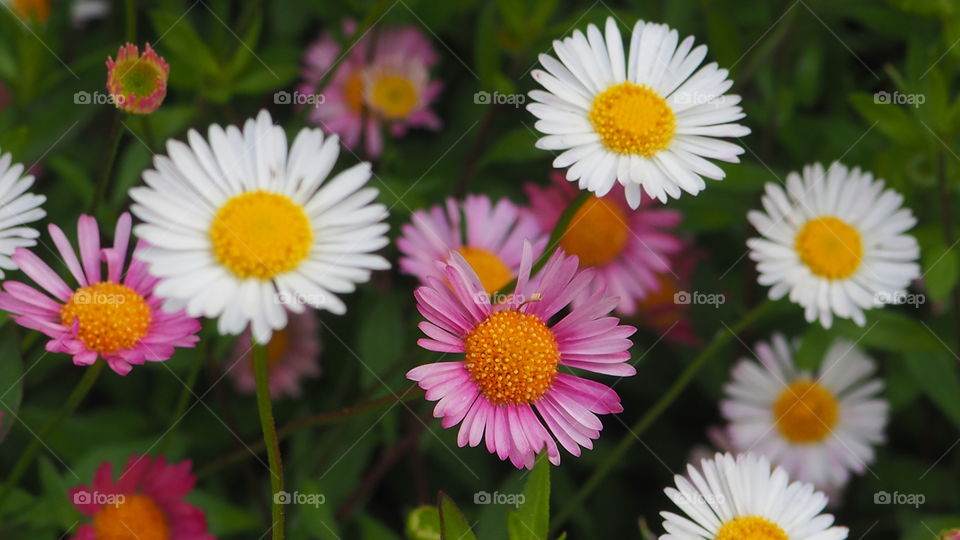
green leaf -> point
(423, 523)
(516, 146)
(938, 375)
(816, 340)
(486, 49)
(531, 521)
(11, 379)
(941, 268)
(381, 341)
(320, 518)
(183, 44)
(892, 120)
(56, 504)
(453, 526)
(890, 330)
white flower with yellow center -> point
(821, 427)
(742, 499)
(835, 241)
(240, 229)
(651, 121)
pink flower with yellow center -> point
(145, 503)
(629, 249)
(137, 83)
(489, 236)
(509, 389)
(383, 80)
(292, 354)
(114, 316)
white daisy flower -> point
(240, 229)
(819, 428)
(651, 121)
(834, 240)
(17, 208)
(741, 499)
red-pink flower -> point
(509, 390)
(384, 79)
(137, 83)
(628, 248)
(146, 503)
(114, 316)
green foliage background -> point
(808, 71)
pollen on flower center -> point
(393, 96)
(830, 247)
(132, 517)
(110, 317)
(260, 235)
(751, 528)
(632, 119)
(512, 356)
(597, 233)
(490, 269)
(805, 412)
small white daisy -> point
(240, 229)
(835, 241)
(819, 428)
(741, 499)
(17, 208)
(651, 121)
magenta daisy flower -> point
(115, 317)
(146, 502)
(292, 354)
(138, 83)
(509, 390)
(628, 248)
(383, 80)
(489, 236)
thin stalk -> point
(265, 407)
(107, 166)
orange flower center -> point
(138, 517)
(597, 233)
(110, 317)
(490, 269)
(830, 247)
(751, 528)
(512, 356)
(806, 412)
(632, 119)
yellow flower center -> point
(597, 233)
(110, 317)
(512, 356)
(393, 96)
(490, 269)
(632, 119)
(751, 528)
(806, 412)
(138, 76)
(831, 248)
(138, 517)
(353, 91)
(260, 235)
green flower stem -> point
(73, 401)
(265, 407)
(107, 166)
(553, 243)
(619, 452)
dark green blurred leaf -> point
(452, 523)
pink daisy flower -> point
(628, 248)
(383, 80)
(115, 317)
(292, 354)
(138, 83)
(489, 236)
(146, 502)
(509, 390)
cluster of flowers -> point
(231, 222)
